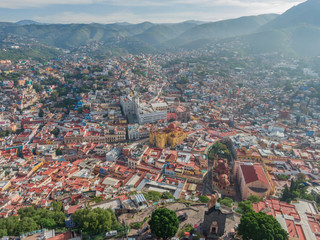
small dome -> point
(223, 180)
(223, 176)
(172, 126)
(222, 167)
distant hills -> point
(296, 32)
(153, 36)
(28, 22)
(306, 13)
(223, 29)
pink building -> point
(252, 180)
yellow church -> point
(167, 137)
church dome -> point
(222, 167)
(172, 126)
(223, 180)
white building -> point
(133, 131)
(159, 106)
(113, 155)
(150, 116)
(128, 105)
(145, 112)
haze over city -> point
(180, 120)
(136, 11)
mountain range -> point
(296, 32)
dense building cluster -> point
(105, 133)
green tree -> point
(164, 223)
(80, 110)
(62, 91)
(188, 228)
(27, 225)
(59, 152)
(282, 177)
(94, 221)
(297, 190)
(258, 226)
(246, 206)
(152, 195)
(31, 219)
(203, 199)
(219, 149)
(54, 95)
(67, 103)
(56, 206)
(47, 223)
(4, 134)
(19, 153)
(26, 212)
(166, 195)
(227, 202)
(11, 225)
(3, 232)
(44, 217)
(41, 113)
(254, 199)
(59, 218)
(38, 87)
(55, 132)
(301, 177)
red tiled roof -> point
(62, 236)
(314, 226)
(300, 232)
(122, 197)
(72, 209)
(291, 228)
(254, 173)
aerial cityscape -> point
(190, 130)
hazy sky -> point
(135, 11)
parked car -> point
(111, 233)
